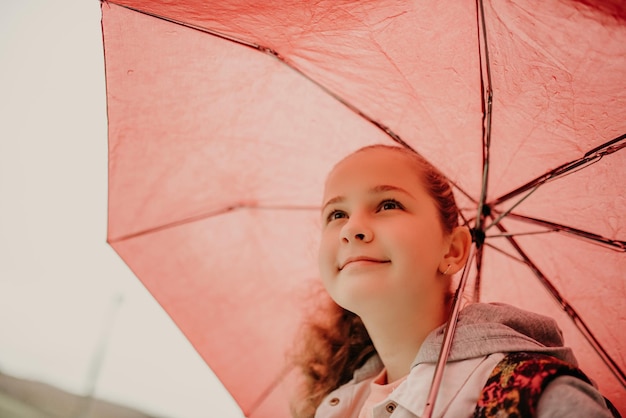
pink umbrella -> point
(224, 118)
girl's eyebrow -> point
(337, 199)
(387, 188)
(374, 190)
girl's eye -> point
(335, 214)
(390, 204)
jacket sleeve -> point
(568, 396)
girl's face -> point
(382, 241)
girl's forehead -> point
(370, 168)
(376, 161)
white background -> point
(65, 296)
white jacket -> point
(485, 332)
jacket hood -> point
(486, 328)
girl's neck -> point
(398, 338)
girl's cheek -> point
(327, 253)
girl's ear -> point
(458, 250)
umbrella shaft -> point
(447, 338)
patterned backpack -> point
(516, 383)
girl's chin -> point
(357, 297)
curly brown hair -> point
(336, 344)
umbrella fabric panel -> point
(233, 312)
(559, 81)
(152, 184)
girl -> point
(390, 245)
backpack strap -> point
(516, 383)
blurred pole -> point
(83, 408)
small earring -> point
(447, 270)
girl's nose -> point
(356, 230)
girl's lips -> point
(357, 259)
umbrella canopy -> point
(224, 118)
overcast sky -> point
(65, 296)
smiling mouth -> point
(362, 261)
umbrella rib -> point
(487, 108)
(509, 210)
(569, 310)
(590, 157)
(266, 393)
(501, 251)
(486, 98)
(202, 216)
(464, 218)
(616, 245)
(519, 234)
(195, 27)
